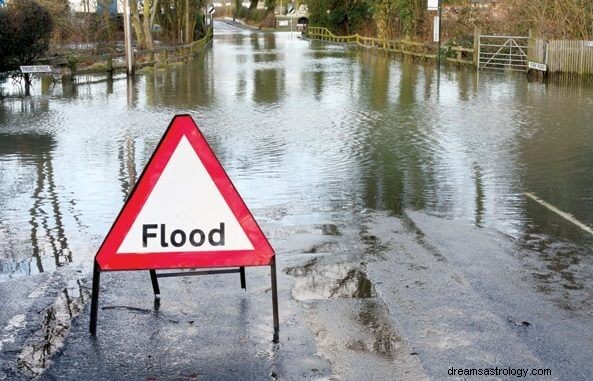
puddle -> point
(315, 280)
(329, 229)
(135, 310)
(326, 247)
(12, 328)
(373, 245)
(36, 357)
(374, 317)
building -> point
(92, 6)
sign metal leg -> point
(243, 284)
(155, 284)
(275, 301)
(95, 298)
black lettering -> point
(146, 235)
(174, 241)
(192, 237)
(163, 242)
(220, 232)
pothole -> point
(315, 280)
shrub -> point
(25, 32)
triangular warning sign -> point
(184, 212)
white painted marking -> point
(186, 198)
(567, 216)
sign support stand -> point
(243, 285)
(155, 283)
(275, 301)
(95, 298)
(155, 287)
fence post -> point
(109, 63)
(476, 57)
(531, 51)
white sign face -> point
(433, 5)
(185, 212)
(283, 23)
(36, 69)
(537, 66)
(589, 44)
(435, 29)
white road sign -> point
(435, 28)
(537, 66)
(31, 69)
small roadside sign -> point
(184, 213)
(433, 5)
(537, 66)
(32, 69)
(211, 9)
(435, 29)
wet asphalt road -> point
(385, 298)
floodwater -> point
(300, 126)
(380, 184)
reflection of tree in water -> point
(45, 192)
(268, 84)
(185, 86)
(127, 165)
(396, 172)
(379, 81)
(46, 219)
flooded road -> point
(387, 192)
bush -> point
(25, 32)
(342, 17)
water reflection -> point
(321, 278)
(127, 166)
(34, 171)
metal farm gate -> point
(502, 53)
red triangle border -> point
(107, 256)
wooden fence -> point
(574, 57)
(560, 56)
(417, 49)
(563, 57)
(88, 64)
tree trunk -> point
(188, 33)
(137, 24)
(146, 24)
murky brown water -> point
(303, 128)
